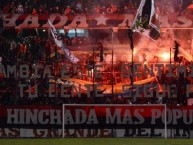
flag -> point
(146, 20)
(69, 55)
(59, 42)
(57, 37)
(186, 54)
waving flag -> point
(186, 54)
(59, 42)
(146, 20)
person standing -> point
(100, 48)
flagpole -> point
(170, 33)
(93, 95)
(130, 34)
(112, 69)
(170, 55)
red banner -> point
(123, 21)
(95, 120)
(95, 116)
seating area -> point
(39, 49)
(90, 7)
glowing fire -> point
(165, 56)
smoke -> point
(119, 41)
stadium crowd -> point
(89, 7)
(40, 50)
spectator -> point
(27, 8)
(67, 11)
(34, 11)
(20, 9)
(23, 51)
(41, 9)
(114, 9)
(78, 8)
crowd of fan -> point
(89, 7)
(67, 7)
(39, 51)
